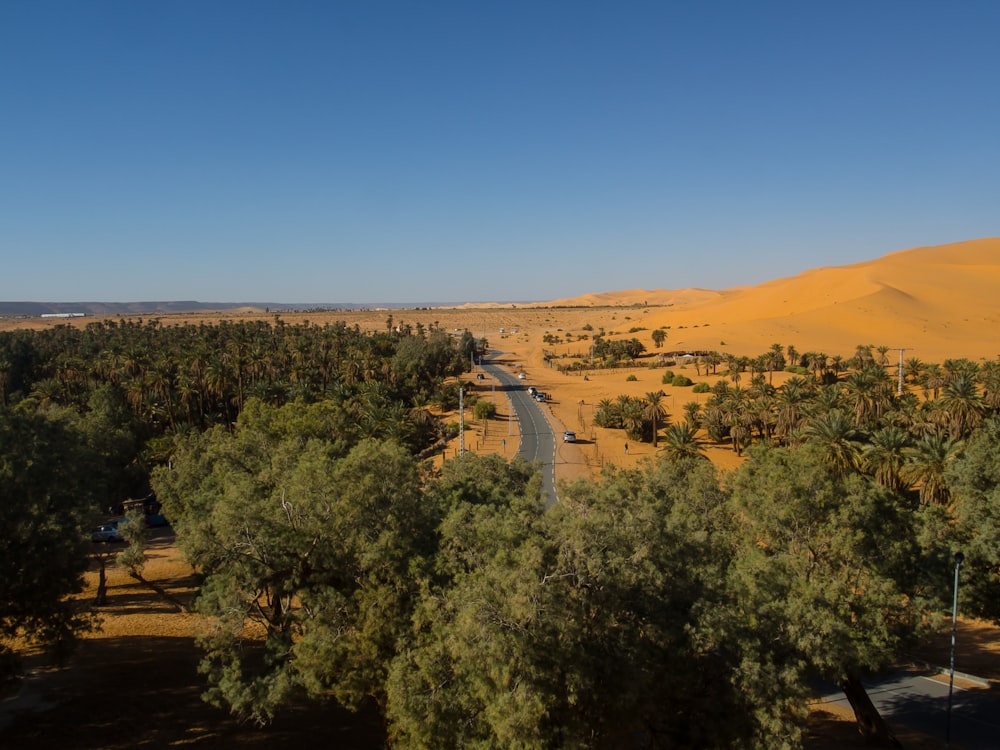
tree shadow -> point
(145, 691)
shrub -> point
(682, 381)
(668, 377)
(701, 388)
(484, 410)
(631, 379)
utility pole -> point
(959, 559)
(900, 372)
(461, 422)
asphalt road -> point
(538, 443)
(919, 700)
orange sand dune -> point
(938, 302)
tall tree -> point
(311, 560)
(44, 504)
(825, 560)
(974, 480)
(654, 412)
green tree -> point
(927, 462)
(681, 441)
(44, 505)
(565, 628)
(834, 434)
(974, 480)
(826, 561)
(311, 559)
(484, 409)
(884, 457)
(654, 412)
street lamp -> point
(959, 559)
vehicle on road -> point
(106, 532)
(569, 436)
(532, 391)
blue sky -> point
(483, 150)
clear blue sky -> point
(429, 151)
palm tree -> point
(737, 417)
(883, 355)
(932, 379)
(836, 435)
(885, 457)
(859, 388)
(606, 414)
(912, 368)
(789, 401)
(962, 405)
(863, 356)
(793, 355)
(654, 411)
(633, 417)
(926, 464)
(692, 414)
(989, 376)
(775, 360)
(681, 441)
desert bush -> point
(631, 379)
(668, 377)
(682, 381)
(701, 388)
(484, 410)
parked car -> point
(539, 397)
(532, 391)
(522, 376)
(569, 436)
(106, 532)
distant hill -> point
(100, 309)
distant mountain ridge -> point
(34, 309)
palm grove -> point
(663, 606)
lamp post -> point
(959, 559)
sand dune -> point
(938, 302)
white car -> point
(522, 376)
(106, 532)
(569, 436)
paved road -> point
(537, 443)
(919, 700)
